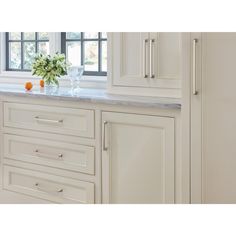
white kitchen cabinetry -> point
(145, 63)
(78, 122)
(213, 116)
(50, 187)
(54, 152)
(48, 153)
(138, 158)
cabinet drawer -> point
(50, 153)
(53, 188)
(61, 120)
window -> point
(21, 48)
(81, 48)
(88, 49)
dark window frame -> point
(21, 41)
(82, 39)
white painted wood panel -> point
(167, 52)
(196, 116)
(134, 55)
(50, 153)
(213, 119)
(60, 120)
(138, 165)
(46, 186)
(219, 117)
(9, 197)
(165, 187)
(129, 58)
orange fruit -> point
(41, 83)
(28, 85)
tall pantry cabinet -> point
(213, 117)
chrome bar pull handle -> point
(195, 92)
(145, 41)
(38, 119)
(105, 148)
(151, 59)
(37, 185)
(47, 155)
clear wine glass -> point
(75, 73)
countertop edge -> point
(100, 98)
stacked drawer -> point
(61, 155)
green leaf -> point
(50, 67)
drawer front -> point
(49, 187)
(50, 153)
(60, 120)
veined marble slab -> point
(91, 95)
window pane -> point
(91, 56)
(14, 35)
(73, 52)
(29, 54)
(29, 36)
(104, 56)
(21, 54)
(43, 36)
(104, 35)
(88, 48)
(89, 35)
(43, 47)
(15, 55)
(73, 35)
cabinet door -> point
(213, 120)
(165, 58)
(130, 58)
(137, 158)
(146, 64)
(196, 115)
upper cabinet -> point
(145, 63)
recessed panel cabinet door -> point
(213, 118)
(137, 158)
(130, 58)
(151, 60)
(165, 56)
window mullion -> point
(82, 48)
(54, 43)
(36, 42)
(22, 51)
(7, 51)
(63, 42)
(99, 52)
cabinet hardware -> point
(37, 118)
(105, 148)
(151, 60)
(46, 155)
(37, 185)
(145, 75)
(195, 92)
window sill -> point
(9, 77)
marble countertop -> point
(91, 95)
